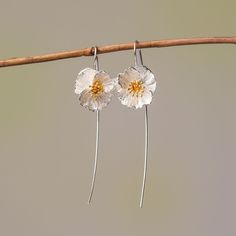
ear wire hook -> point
(138, 61)
(96, 67)
(95, 60)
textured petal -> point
(84, 79)
(147, 77)
(128, 76)
(97, 103)
(123, 82)
(85, 97)
(147, 97)
(103, 100)
(129, 100)
(152, 87)
(137, 102)
(107, 82)
(93, 104)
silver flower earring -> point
(94, 88)
(135, 88)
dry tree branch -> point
(115, 48)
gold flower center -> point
(136, 88)
(96, 88)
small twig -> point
(115, 48)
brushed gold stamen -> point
(136, 88)
(96, 88)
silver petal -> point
(84, 79)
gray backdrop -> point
(47, 139)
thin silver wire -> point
(96, 67)
(145, 157)
(138, 61)
(96, 158)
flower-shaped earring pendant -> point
(135, 88)
(95, 90)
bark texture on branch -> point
(115, 48)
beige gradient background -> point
(47, 139)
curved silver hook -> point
(138, 60)
(95, 60)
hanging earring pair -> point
(135, 88)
